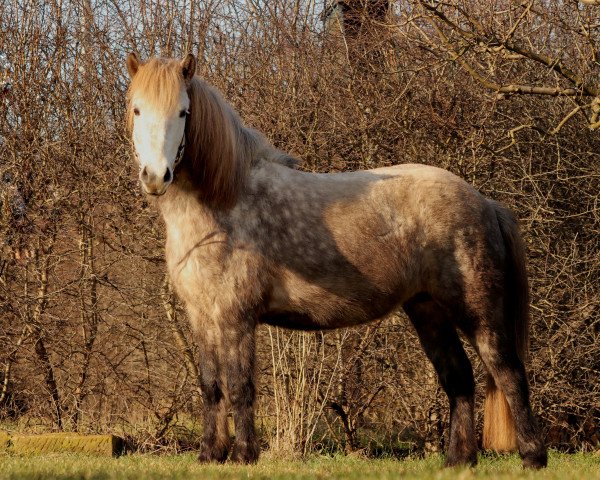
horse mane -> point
(219, 148)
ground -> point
(71, 466)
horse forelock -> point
(158, 82)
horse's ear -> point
(188, 67)
(133, 64)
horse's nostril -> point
(144, 174)
(167, 177)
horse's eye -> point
(136, 111)
(183, 113)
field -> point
(561, 466)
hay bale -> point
(108, 445)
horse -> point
(251, 239)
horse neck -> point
(181, 196)
(184, 214)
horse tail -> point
(499, 431)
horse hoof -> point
(460, 461)
(536, 461)
(246, 452)
(213, 454)
(209, 457)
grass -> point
(78, 466)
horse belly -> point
(298, 304)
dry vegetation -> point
(505, 94)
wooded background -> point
(503, 93)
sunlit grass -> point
(561, 466)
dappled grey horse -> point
(251, 240)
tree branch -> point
(480, 37)
(535, 90)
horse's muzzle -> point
(154, 184)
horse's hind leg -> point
(499, 354)
(443, 347)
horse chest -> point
(193, 261)
(212, 275)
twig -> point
(556, 129)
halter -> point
(181, 146)
(180, 150)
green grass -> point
(77, 466)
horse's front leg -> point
(215, 436)
(238, 349)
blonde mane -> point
(219, 149)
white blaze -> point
(157, 134)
